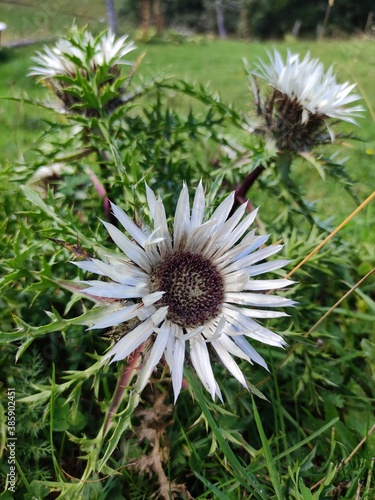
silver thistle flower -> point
(304, 96)
(111, 51)
(82, 69)
(190, 290)
(61, 60)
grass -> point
(313, 438)
(40, 20)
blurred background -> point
(257, 19)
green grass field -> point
(41, 20)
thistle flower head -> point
(304, 96)
(80, 52)
(80, 66)
(189, 291)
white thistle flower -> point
(314, 89)
(56, 60)
(190, 290)
(82, 71)
(110, 51)
(296, 113)
(59, 60)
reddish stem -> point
(243, 188)
(123, 382)
(102, 193)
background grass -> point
(41, 20)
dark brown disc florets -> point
(194, 288)
(282, 116)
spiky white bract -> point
(194, 287)
(81, 51)
(56, 60)
(111, 51)
(306, 82)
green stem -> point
(283, 163)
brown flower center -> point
(194, 288)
